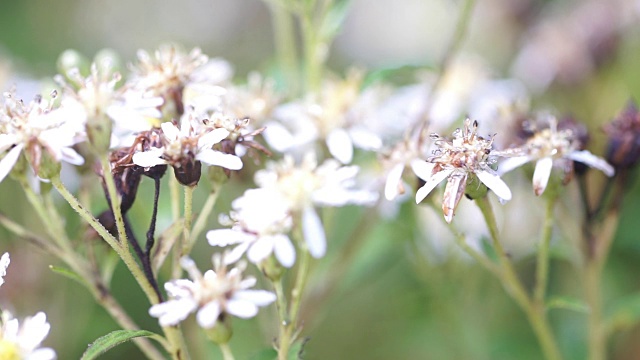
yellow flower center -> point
(9, 351)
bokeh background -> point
(405, 295)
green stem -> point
(596, 333)
(226, 351)
(201, 221)
(285, 44)
(514, 287)
(542, 269)
(115, 203)
(185, 246)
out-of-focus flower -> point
(404, 154)
(218, 292)
(22, 342)
(261, 221)
(306, 185)
(551, 146)
(623, 149)
(460, 160)
(185, 147)
(332, 115)
(4, 264)
(42, 132)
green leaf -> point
(624, 313)
(112, 339)
(68, 274)
(296, 349)
(567, 303)
(332, 23)
(266, 354)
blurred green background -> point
(396, 299)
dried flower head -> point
(460, 160)
(623, 149)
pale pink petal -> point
(217, 158)
(394, 182)
(212, 137)
(496, 184)
(430, 184)
(208, 315)
(588, 158)
(241, 308)
(422, 169)
(284, 250)
(340, 146)
(9, 160)
(149, 158)
(541, 175)
(258, 297)
(313, 232)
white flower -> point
(549, 147)
(210, 295)
(404, 154)
(36, 127)
(308, 185)
(467, 154)
(4, 264)
(23, 342)
(261, 222)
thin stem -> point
(288, 331)
(596, 332)
(203, 216)
(285, 44)
(146, 260)
(226, 351)
(115, 203)
(542, 269)
(514, 287)
(185, 246)
(32, 238)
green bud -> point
(108, 62)
(72, 59)
(222, 331)
(271, 269)
(44, 163)
(475, 189)
(217, 177)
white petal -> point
(6, 141)
(512, 163)
(365, 139)
(496, 184)
(217, 158)
(208, 315)
(149, 158)
(340, 146)
(4, 264)
(241, 308)
(393, 185)
(226, 237)
(42, 354)
(33, 331)
(261, 249)
(237, 252)
(314, 232)
(284, 250)
(541, 175)
(258, 297)
(212, 137)
(422, 169)
(433, 181)
(172, 312)
(71, 156)
(278, 137)
(9, 160)
(588, 158)
(170, 131)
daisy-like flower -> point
(404, 154)
(40, 131)
(4, 264)
(213, 295)
(261, 221)
(460, 160)
(306, 185)
(551, 146)
(22, 342)
(185, 147)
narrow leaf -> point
(68, 274)
(567, 303)
(113, 339)
(265, 354)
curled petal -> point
(226, 237)
(258, 297)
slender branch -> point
(542, 269)
(226, 351)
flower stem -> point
(226, 351)
(514, 287)
(542, 269)
(289, 324)
(203, 216)
(185, 246)
(115, 203)
(285, 43)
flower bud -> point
(188, 172)
(99, 133)
(475, 189)
(70, 60)
(623, 149)
(222, 331)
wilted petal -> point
(393, 186)
(284, 250)
(340, 146)
(149, 158)
(314, 232)
(241, 308)
(208, 315)
(217, 158)
(541, 175)
(431, 183)
(496, 184)
(588, 158)
(9, 160)
(456, 185)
